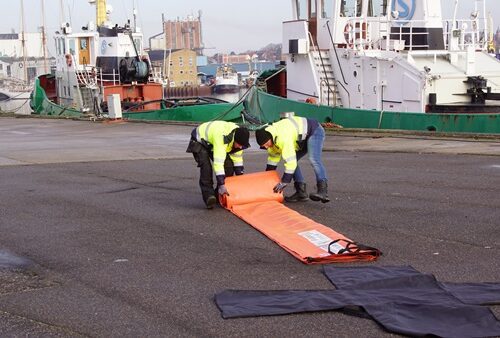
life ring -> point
(354, 33)
(69, 60)
(347, 34)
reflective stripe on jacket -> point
(220, 135)
(286, 133)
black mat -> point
(400, 298)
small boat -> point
(15, 101)
(14, 96)
(103, 71)
(226, 80)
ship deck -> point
(104, 231)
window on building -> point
(31, 73)
(9, 71)
(181, 62)
(1, 66)
(181, 72)
(351, 8)
(190, 61)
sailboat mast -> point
(23, 42)
(44, 39)
(62, 12)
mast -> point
(44, 39)
(61, 13)
(100, 12)
(134, 12)
(23, 42)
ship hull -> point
(268, 108)
(226, 88)
(193, 113)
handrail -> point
(335, 49)
(316, 49)
(338, 61)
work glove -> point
(239, 170)
(222, 190)
(279, 187)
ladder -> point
(329, 95)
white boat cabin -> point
(392, 55)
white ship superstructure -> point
(397, 55)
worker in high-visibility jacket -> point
(290, 139)
(222, 143)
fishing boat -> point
(226, 80)
(103, 71)
(389, 65)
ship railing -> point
(462, 34)
(411, 35)
(379, 33)
(110, 79)
(87, 75)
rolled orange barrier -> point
(251, 198)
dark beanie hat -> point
(262, 136)
(241, 136)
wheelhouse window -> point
(313, 9)
(301, 9)
(351, 8)
(326, 9)
(72, 47)
(377, 8)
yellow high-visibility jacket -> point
(286, 133)
(220, 135)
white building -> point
(11, 45)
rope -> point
(15, 110)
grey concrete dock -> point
(103, 230)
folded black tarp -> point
(401, 299)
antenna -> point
(61, 13)
(44, 39)
(134, 12)
(23, 42)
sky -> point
(228, 25)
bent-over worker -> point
(292, 138)
(222, 143)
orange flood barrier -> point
(251, 198)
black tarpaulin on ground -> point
(401, 299)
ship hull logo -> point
(406, 9)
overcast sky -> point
(228, 25)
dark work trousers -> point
(204, 158)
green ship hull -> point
(266, 108)
(270, 107)
(41, 105)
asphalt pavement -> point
(104, 232)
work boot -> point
(322, 194)
(300, 193)
(211, 201)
